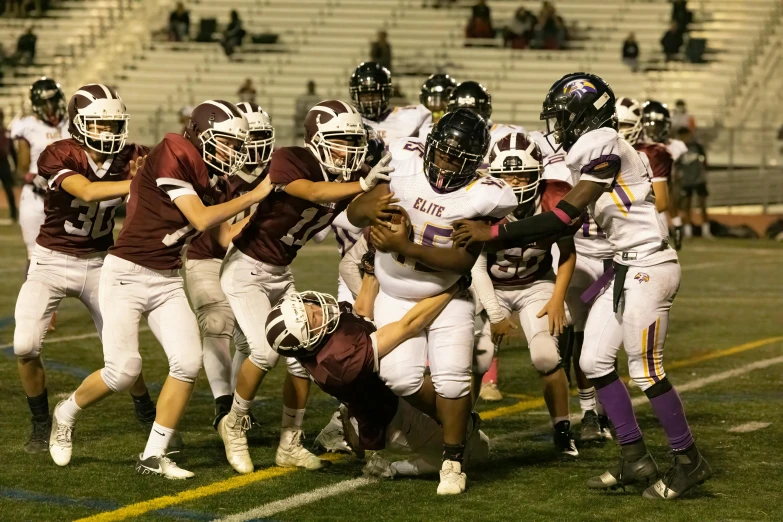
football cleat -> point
(635, 465)
(291, 453)
(417, 466)
(677, 236)
(452, 479)
(490, 392)
(232, 430)
(590, 429)
(161, 465)
(377, 466)
(606, 427)
(39, 437)
(331, 437)
(564, 441)
(689, 470)
(60, 445)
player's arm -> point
(372, 208)
(555, 308)
(350, 265)
(203, 218)
(500, 325)
(22, 157)
(88, 191)
(661, 191)
(393, 334)
(365, 300)
(225, 233)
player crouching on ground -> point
(172, 200)
(342, 351)
(630, 310)
(519, 279)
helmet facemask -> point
(436, 102)
(630, 130)
(104, 133)
(51, 111)
(224, 152)
(514, 172)
(371, 100)
(308, 318)
(447, 167)
(656, 127)
(260, 144)
(341, 152)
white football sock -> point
(240, 405)
(587, 399)
(158, 441)
(68, 411)
(292, 418)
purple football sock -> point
(668, 408)
(617, 402)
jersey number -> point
(298, 234)
(428, 235)
(171, 239)
(96, 221)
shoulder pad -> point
(592, 146)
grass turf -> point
(731, 294)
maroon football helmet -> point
(334, 133)
(219, 131)
(516, 158)
(98, 118)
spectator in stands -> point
(681, 15)
(519, 31)
(233, 35)
(304, 103)
(550, 31)
(480, 23)
(179, 24)
(682, 118)
(692, 169)
(246, 92)
(381, 51)
(671, 42)
(631, 52)
(6, 176)
(25, 48)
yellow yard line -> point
(527, 403)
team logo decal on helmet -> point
(261, 134)
(219, 131)
(579, 88)
(334, 133)
(99, 119)
(297, 325)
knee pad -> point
(401, 382)
(296, 369)
(121, 373)
(544, 353)
(185, 367)
(264, 357)
(27, 342)
(216, 320)
(452, 387)
(483, 352)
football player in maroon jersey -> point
(202, 267)
(313, 184)
(172, 199)
(87, 176)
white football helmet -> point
(629, 118)
(327, 123)
(95, 106)
(219, 131)
(517, 155)
(261, 136)
(288, 328)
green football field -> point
(724, 352)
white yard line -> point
(749, 426)
(69, 338)
(302, 499)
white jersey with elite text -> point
(39, 135)
(626, 211)
(432, 214)
(400, 122)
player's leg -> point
(290, 450)
(123, 297)
(687, 199)
(450, 353)
(603, 338)
(545, 357)
(485, 362)
(702, 193)
(648, 300)
(216, 321)
(31, 217)
(38, 299)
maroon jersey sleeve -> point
(287, 165)
(660, 158)
(554, 191)
(58, 162)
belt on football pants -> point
(615, 271)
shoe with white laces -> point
(291, 453)
(489, 392)
(233, 429)
(332, 437)
(377, 466)
(60, 445)
(161, 465)
(452, 479)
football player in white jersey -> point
(634, 298)
(436, 183)
(371, 89)
(656, 128)
(434, 95)
(32, 134)
(519, 279)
